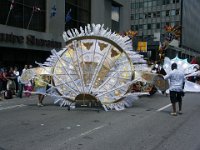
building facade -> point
(30, 29)
(190, 27)
(150, 16)
(112, 13)
(27, 31)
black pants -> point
(176, 96)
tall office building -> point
(30, 29)
(191, 29)
(150, 16)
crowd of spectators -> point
(10, 82)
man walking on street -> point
(177, 82)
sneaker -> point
(180, 113)
(40, 104)
(173, 113)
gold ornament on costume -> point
(114, 53)
(102, 46)
(88, 45)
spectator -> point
(29, 86)
(21, 85)
(11, 81)
(4, 79)
(25, 68)
(16, 72)
(1, 82)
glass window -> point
(177, 12)
(146, 15)
(136, 27)
(158, 13)
(141, 16)
(83, 4)
(80, 14)
(136, 5)
(149, 15)
(167, 2)
(154, 26)
(167, 12)
(132, 5)
(159, 2)
(137, 16)
(149, 4)
(132, 27)
(132, 16)
(177, 23)
(163, 24)
(140, 27)
(145, 4)
(115, 13)
(154, 15)
(173, 13)
(173, 1)
(157, 25)
(149, 26)
(163, 13)
(24, 14)
(154, 3)
(145, 26)
(167, 23)
(172, 24)
(141, 5)
(115, 17)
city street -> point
(97, 51)
(146, 126)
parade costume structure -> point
(188, 70)
(96, 66)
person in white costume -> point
(177, 82)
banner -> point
(142, 46)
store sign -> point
(11, 38)
(142, 46)
(29, 40)
(32, 40)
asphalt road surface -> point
(147, 125)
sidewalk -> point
(14, 97)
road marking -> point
(11, 107)
(164, 107)
(85, 133)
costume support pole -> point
(8, 16)
(30, 19)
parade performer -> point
(188, 71)
(40, 86)
(177, 82)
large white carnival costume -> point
(187, 68)
(96, 65)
